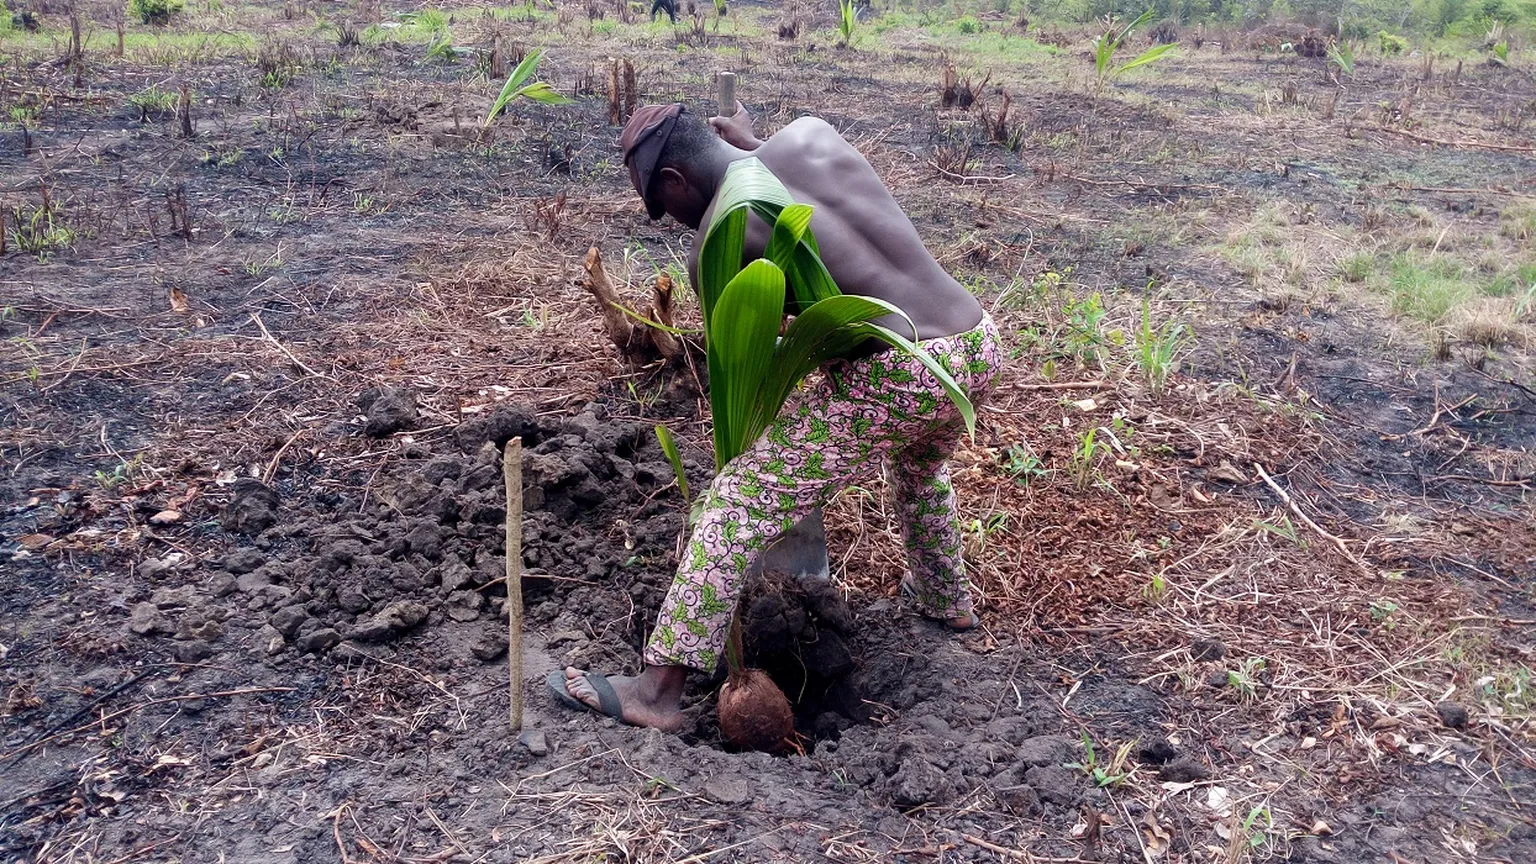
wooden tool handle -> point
(726, 102)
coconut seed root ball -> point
(754, 714)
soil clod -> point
(1157, 752)
(388, 410)
(491, 645)
(1452, 714)
(536, 742)
(148, 620)
(1055, 784)
(918, 782)
(1204, 650)
(1184, 770)
(252, 508)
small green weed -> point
(153, 102)
(25, 116)
(1083, 463)
(1104, 775)
(1509, 688)
(123, 472)
(1085, 339)
(1357, 267)
(981, 531)
(1157, 349)
(256, 266)
(1251, 834)
(276, 64)
(1022, 464)
(1281, 527)
(41, 230)
(1244, 680)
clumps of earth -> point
(320, 572)
(891, 701)
(315, 572)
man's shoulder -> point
(809, 121)
(806, 136)
(809, 126)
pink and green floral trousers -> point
(885, 410)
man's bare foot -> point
(653, 699)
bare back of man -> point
(869, 245)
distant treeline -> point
(1352, 17)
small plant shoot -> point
(1108, 45)
(538, 91)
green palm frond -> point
(752, 371)
(538, 91)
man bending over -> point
(882, 410)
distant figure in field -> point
(667, 6)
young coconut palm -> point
(538, 91)
(753, 371)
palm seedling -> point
(753, 371)
(538, 91)
(847, 20)
(1499, 54)
(1341, 56)
(1106, 46)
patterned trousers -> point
(885, 410)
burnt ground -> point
(253, 508)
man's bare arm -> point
(736, 130)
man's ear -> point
(673, 178)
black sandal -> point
(607, 699)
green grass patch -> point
(149, 46)
(1518, 223)
(1516, 280)
(1357, 267)
(1428, 289)
(991, 47)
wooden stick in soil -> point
(512, 473)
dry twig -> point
(1289, 502)
(266, 334)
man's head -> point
(673, 161)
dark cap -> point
(645, 136)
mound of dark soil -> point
(318, 574)
(428, 545)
